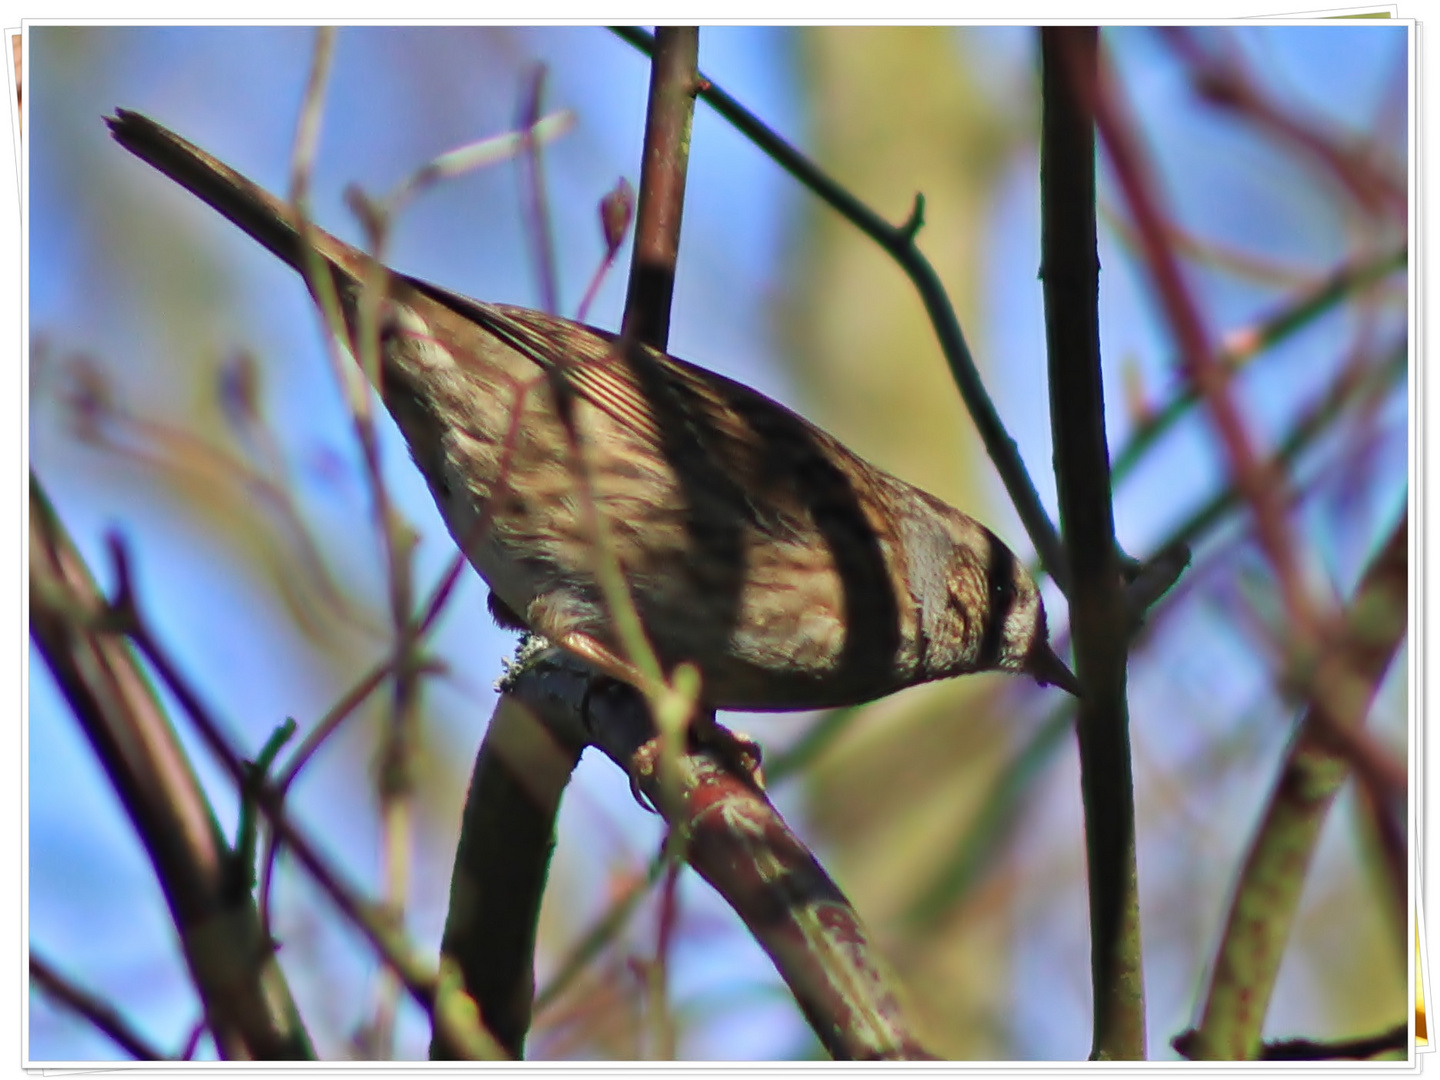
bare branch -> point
(101, 1014)
(249, 1008)
(738, 842)
(1099, 615)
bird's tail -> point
(268, 219)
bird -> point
(793, 574)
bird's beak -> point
(1049, 670)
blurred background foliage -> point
(179, 392)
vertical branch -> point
(533, 182)
(501, 865)
(657, 971)
(395, 774)
(1098, 621)
(674, 79)
(1336, 677)
(674, 82)
(664, 165)
(507, 836)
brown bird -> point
(792, 573)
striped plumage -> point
(792, 572)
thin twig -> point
(1234, 261)
(657, 970)
(1243, 346)
(1260, 484)
(532, 182)
(461, 1024)
(499, 878)
(960, 868)
(102, 1015)
(103, 421)
(1225, 82)
(394, 776)
(604, 931)
(1396, 1040)
(251, 1014)
(1313, 423)
(476, 155)
(367, 683)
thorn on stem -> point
(915, 222)
(1152, 579)
(369, 212)
(534, 93)
(122, 607)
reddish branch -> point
(1225, 81)
(674, 80)
(1260, 483)
(738, 843)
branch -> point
(451, 1011)
(507, 836)
(1261, 486)
(1356, 384)
(606, 928)
(1396, 1040)
(1294, 315)
(1338, 687)
(394, 776)
(1099, 615)
(536, 206)
(247, 1003)
(668, 118)
(1267, 893)
(1226, 83)
(738, 843)
(1258, 481)
(101, 1014)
